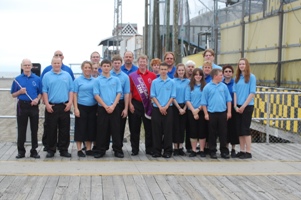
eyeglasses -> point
(228, 71)
(58, 54)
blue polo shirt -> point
(57, 86)
(181, 85)
(215, 97)
(214, 66)
(163, 90)
(107, 89)
(32, 84)
(84, 88)
(193, 96)
(230, 88)
(64, 67)
(171, 74)
(128, 72)
(243, 89)
(124, 80)
(208, 78)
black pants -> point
(187, 133)
(162, 130)
(85, 125)
(107, 125)
(179, 125)
(58, 128)
(135, 125)
(218, 128)
(122, 120)
(24, 111)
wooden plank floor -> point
(153, 186)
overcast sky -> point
(34, 29)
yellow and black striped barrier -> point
(279, 104)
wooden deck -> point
(274, 172)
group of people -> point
(178, 105)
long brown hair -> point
(192, 80)
(176, 72)
(247, 71)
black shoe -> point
(149, 152)
(166, 155)
(89, 153)
(49, 155)
(45, 149)
(233, 153)
(134, 153)
(202, 154)
(119, 154)
(225, 156)
(35, 155)
(245, 156)
(156, 155)
(99, 155)
(176, 152)
(240, 154)
(207, 151)
(81, 154)
(181, 152)
(65, 154)
(188, 150)
(20, 156)
(213, 156)
(192, 154)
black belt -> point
(58, 104)
(27, 102)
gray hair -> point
(190, 62)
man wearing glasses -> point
(209, 56)
(169, 59)
(66, 68)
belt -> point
(27, 102)
(58, 104)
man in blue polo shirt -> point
(216, 102)
(169, 59)
(107, 91)
(163, 91)
(27, 88)
(124, 98)
(209, 56)
(59, 54)
(58, 97)
(128, 66)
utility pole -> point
(158, 39)
(176, 49)
(215, 29)
(145, 47)
(167, 41)
(117, 24)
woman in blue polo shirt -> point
(85, 107)
(193, 94)
(244, 92)
(179, 109)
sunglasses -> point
(228, 71)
